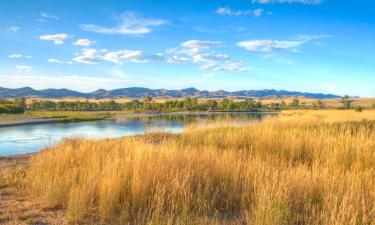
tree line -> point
(17, 106)
(147, 104)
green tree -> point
(358, 108)
(21, 101)
(294, 103)
(212, 104)
(346, 102)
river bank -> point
(33, 118)
(45, 117)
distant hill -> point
(139, 92)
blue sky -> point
(303, 45)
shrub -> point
(358, 108)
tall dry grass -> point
(294, 169)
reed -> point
(299, 168)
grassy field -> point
(303, 167)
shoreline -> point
(14, 161)
(21, 120)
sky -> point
(298, 45)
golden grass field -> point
(366, 102)
(302, 167)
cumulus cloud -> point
(57, 61)
(49, 16)
(58, 39)
(226, 11)
(13, 29)
(129, 24)
(24, 69)
(311, 2)
(201, 53)
(277, 45)
(15, 56)
(84, 42)
(87, 56)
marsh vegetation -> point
(303, 167)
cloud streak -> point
(23, 69)
(84, 42)
(57, 61)
(128, 24)
(58, 39)
(226, 11)
(268, 45)
(49, 16)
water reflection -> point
(31, 138)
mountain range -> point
(139, 92)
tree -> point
(359, 108)
(21, 101)
(295, 103)
(147, 102)
(346, 102)
(212, 104)
(283, 104)
(320, 104)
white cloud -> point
(210, 66)
(84, 42)
(129, 24)
(236, 67)
(258, 12)
(87, 56)
(233, 67)
(58, 39)
(92, 56)
(57, 61)
(23, 69)
(125, 56)
(210, 57)
(177, 59)
(226, 11)
(172, 59)
(277, 45)
(13, 29)
(15, 56)
(193, 47)
(49, 16)
(200, 44)
(311, 2)
(118, 73)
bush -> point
(358, 108)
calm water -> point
(32, 138)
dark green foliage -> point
(12, 107)
(147, 104)
(359, 108)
